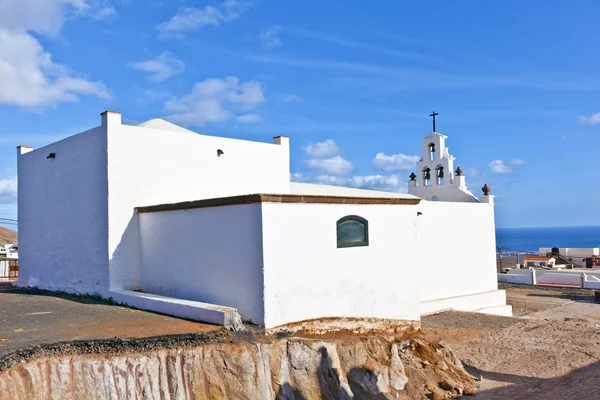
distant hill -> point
(8, 236)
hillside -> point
(8, 236)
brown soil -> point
(8, 236)
(551, 352)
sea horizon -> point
(534, 238)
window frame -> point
(356, 218)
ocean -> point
(531, 239)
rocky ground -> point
(239, 365)
(551, 350)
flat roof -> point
(276, 198)
(329, 190)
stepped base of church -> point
(492, 302)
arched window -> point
(440, 174)
(426, 176)
(435, 198)
(431, 151)
(352, 231)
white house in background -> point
(97, 210)
(9, 251)
(532, 261)
(436, 178)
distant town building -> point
(9, 251)
(9, 264)
(531, 261)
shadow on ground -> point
(581, 383)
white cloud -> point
(162, 67)
(269, 37)
(394, 162)
(215, 100)
(249, 118)
(290, 98)
(390, 183)
(189, 19)
(28, 76)
(8, 191)
(337, 165)
(593, 119)
(472, 172)
(325, 149)
(46, 17)
(502, 167)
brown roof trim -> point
(275, 198)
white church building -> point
(209, 228)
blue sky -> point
(352, 83)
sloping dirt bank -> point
(242, 365)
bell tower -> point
(435, 178)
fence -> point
(9, 269)
(540, 277)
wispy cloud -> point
(394, 162)
(354, 44)
(503, 167)
(249, 118)
(161, 67)
(190, 19)
(8, 191)
(593, 119)
(269, 37)
(393, 78)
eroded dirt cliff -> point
(226, 365)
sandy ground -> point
(550, 351)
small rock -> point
(442, 344)
(446, 385)
(425, 363)
(459, 390)
(479, 378)
(469, 391)
(568, 319)
(435, 396)
(442, 365)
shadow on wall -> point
(363, 384)
(124, 262)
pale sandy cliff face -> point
(230, 367)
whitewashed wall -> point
(63, 215)
(307, 276)
(149, 166)
(212, 255)
(457, 249)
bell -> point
(441, 173)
